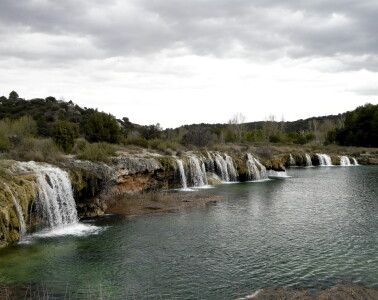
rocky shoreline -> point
(342, 291)
(122, 186)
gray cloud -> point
(69, 30)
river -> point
(310, 230)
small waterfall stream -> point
(291, 161)
(232, 173)
(308, 160)
(197, 175)
(324, 159)
(344, 161)
(256, 171)
(210, 163)
(20, 214)
(203, 167)
(355, 161)
(221, 167)
(55, 195)
(182, 173)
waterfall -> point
(308, 160)
(355, 161)
(324, 159)
(211, 164)
(20, 214)
(256, 171)
(55, 195)
(197, 175)
(182, 173)
(221, 167)
(344, 161)
(203, 167)
(291, 161)
(232, 173)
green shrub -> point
(80, 145)
(98, 152)
(5, 145)
(102, 127)
(36, 149)
(63, 135)
(141, 142)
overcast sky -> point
(178, 62)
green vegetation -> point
(63, 135)
(29, 127)
(97, 152)
(102, 127)
(360, 128)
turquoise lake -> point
(311, 230)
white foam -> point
(259, 180)
(204, 187)
(78, 229)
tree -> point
(102, 127)
(197, 136)
(360, 127)
(63, 135)
(236, 126)
(13, 95)
(152, 132)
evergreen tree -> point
(102, 127)
(13, 95)
(63, 135)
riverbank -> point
(342, 291)
(124, 181)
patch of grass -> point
(36, 149)
(98, 152)
(141, 142)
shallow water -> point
(310, 230)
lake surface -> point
(311, 230)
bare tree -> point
(236, 124)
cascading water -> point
(324, 159)
(355, 161)
(308, 160)
(344, 161)
(182, 173)
(55, 195)
(210, 163)
(232, 173)
(291, 161)
(196, 175)
(203, 167)
(256, 171)
(221, 167)
(20, 214)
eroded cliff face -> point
(17, 195)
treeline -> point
(360, 128)
(64, 126)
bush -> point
(98, 152)
(141, 142)
(63, 135)
(5, 145)
(79, 146)
(102, 127)
(37, 149)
